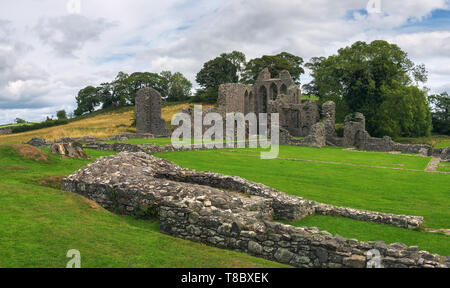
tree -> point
(178, 87)
(87, 99)
(61, 114)
(364, 78)
(404, 112)
(441, 112)
(119, 89)
(215, 72)
(238, 59)
(139, 80)
(20, 121)
(276, 64)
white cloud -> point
(47, 54)
(67, 34)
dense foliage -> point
(36, 126)
(61, 114)
(122, 91)
(223, 69)
(441, 113)
(376, 79)
(276, 64)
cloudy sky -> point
(50, 49)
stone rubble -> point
(233, 213)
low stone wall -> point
(402, 221)
(443, 153)
(150, 149)
(317, 137)
(5, 130)
(233, 213)
(299, 247)
(365, 142)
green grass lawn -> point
(383, 190)
(155, 141)
(339, 155)
(444, 167)
(15, 125)
(443, 144)
(437, 141)
(39, 224)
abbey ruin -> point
(271, 95)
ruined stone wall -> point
(233, 213)
(271, 95)
(354, 127)
(5, 130)
(148, 113)
(299, 247)
(329, 119)
(308, 117)
(316, 138)
(232, 97)
(443, 153)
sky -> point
(50, 49)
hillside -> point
(39, 223)
(99, 125)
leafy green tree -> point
(276, 64)
(20, 121)
(61, 114)
(364, 78)
(238, 59)
(178, 87)
(441, 112)
(87, 99)
(404, 112)
(221, 70)
(217, 71)
(139, 80)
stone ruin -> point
(232, 213)
(5, 130)
(355, 135)
(68, 150)
(281, 95)
(271, 95)
(148, 113)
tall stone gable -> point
(148, 113)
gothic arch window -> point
(283, 89)
(273, 92)
(263, 97)
(246, 102)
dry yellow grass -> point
(104, 125)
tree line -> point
(377, 79)
(123, 89)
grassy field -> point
(39, 223)
(14, 125)
(376, 189)
(437, 141)
(444, 167)
(101, 125)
